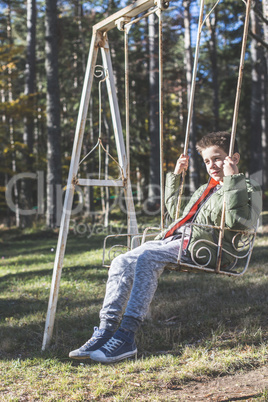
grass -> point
(201, 326)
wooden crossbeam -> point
(101, 182)
(130, 11)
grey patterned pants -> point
(132, 282)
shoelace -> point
(92, 339)
(112, 344)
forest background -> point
(44, 47)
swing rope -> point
(201, 23)
(125, 26)
(234, 124)
(161, 121)
(126, 30)
(235, 114)
(193, 85)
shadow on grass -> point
(260, 256)
(25, 342)
(23, 322)
(187, 309)
(81, 271)
(75, 245)
(23, 307)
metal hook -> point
(102, 72)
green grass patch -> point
(201, 326)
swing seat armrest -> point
(116, 249)
(239, 251)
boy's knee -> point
(147, 255)
(123, 260)
(120, 259)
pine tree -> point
(53, 117)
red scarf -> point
(187, 218)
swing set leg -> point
(65, 218)
(98, 41)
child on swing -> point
(133, 276)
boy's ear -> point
(236, 157)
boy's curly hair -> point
(221, 138)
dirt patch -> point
(239, 387)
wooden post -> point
(65, 218)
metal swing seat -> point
(200, 256)
(242, 247)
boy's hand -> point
(230, 165)
(182, 164)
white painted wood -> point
(101, 183)
(132, 10)
(65, 218)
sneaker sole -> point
(79, 356)
(104, 359)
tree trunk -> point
(53, 115)
(265, 27)
(154, 169)
(139, 191)
(256, 164)
(80, 13)
(264, 112)
(87, 142)
(188, 61)
(212, 46)
(10, 121)
(28, 136)
(264, 96)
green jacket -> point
(243, 206)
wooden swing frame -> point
(99, 41)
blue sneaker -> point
(98, 339)
(119, 347)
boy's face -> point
(214, 160)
